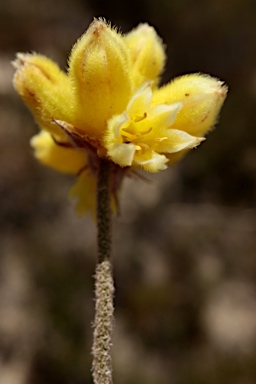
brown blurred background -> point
(185, 245)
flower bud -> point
(44, 88)
(147, 52)
(99, 68)
(202, 97)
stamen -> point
(146, 132)
(137, 119)
(160, 139)
(129, 136)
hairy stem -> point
(104, 285)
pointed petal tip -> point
(222, 89)
(198, 141)
(97, 26)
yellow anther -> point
(160, 139)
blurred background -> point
(185, 244)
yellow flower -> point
(109, 105)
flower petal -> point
(99, 69)
(140, 102)
(147, 52)
(151, 161)
(202, 98)
(122, 154)
(164, 115)
(84, 193)
(45, 89)
(177, 140)
(58, 157)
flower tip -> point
(20, 60)
(145, 28)
(147, 53)
(221, 90)
(97, 27)
(215, 86)
(17, 62)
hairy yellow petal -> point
(122, 154)
(99, 68)
(139, 104)
(84, 193)
(176, 141)
(202, 97)
(45, 89)
(58, 157)
(164, 115)
(147, 52)
(151, 161)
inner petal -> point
(176, 141)
(140, 102)
(151, 161)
